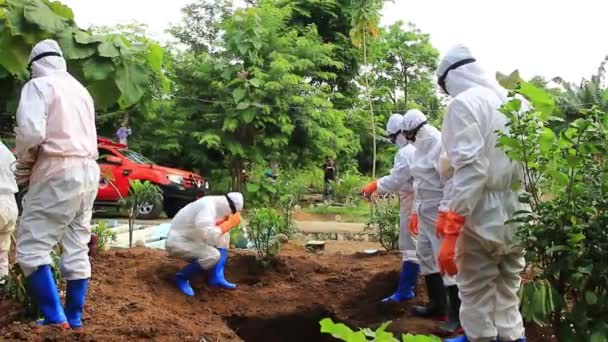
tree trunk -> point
(371, 106)
(406, 92)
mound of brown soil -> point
(132, 298)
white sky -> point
(547, 37)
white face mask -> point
(401, 141)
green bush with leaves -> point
(139, 194)
(262, 229)
(384, 223)
(565, 174)
(343, 332)
(282, 193)
(346, 190)
(105, 235)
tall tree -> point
(201, 26)
(365, 20)
(403, 62)
(333, 20)
(258, 98)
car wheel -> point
(150, 210)
(172, 207)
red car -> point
(120, 165)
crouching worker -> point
(200, 233)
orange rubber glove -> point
(369, 189)
(413, 227)
(450, 229)
(447, 255)
(222, 220)
(233, 221)
(440, 223)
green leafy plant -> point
(105, 235)
(343, 332)
(140, 193)
(262, 229)
(384, 223)
(346, 189)
(565, 175)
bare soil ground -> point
(132, 298)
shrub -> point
(263, 227)
(105, 235)
(282, 193)
(139, 193)
(564, 233)
(346, 189)
(384, 223)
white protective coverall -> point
(8, 206)
(428, 187)
(401, 181)
(56, 131)
(194, 233)
(488, 258)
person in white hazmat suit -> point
(400, 181)
(429, 187)
(56, 146)
(200, 234)
(8, 206)
(478, 245)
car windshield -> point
(136, 157)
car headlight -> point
(176, 179)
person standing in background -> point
(123, 133)
(330, 174)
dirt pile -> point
(132, 297)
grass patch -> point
(357, 213)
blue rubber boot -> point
(407, 283)
(216, 273)
(182, 278)
(76, 293)
(44, 290)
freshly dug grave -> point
(132, 298)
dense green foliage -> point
(119, 73)
(566, 179)
(383, 223)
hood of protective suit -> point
(48, 65)
(466, 76)
(222, 207)
(394, 126)
(427, 135)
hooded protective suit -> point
(56, 137)
(428, 187)
(8, 206)
(481, 200)
(200, 235)
(401, 181)
(194, 233)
